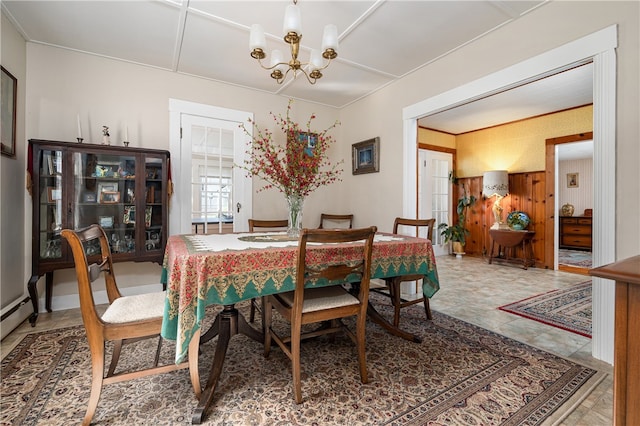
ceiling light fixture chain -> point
(292, 29)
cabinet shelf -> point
(72, 182)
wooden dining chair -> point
(329, 303)
(339, 221)
(268, 225)
(265, 225)
(392, 286)
(126, 319)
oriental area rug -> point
(459, 375)
(579, 258)
(568, 308)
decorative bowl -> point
(518, 220)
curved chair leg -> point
(361, 346)
(252, 312)
(427, 309)
(117, 348)
(97, 370)
(266, 325)
(157, 358)
(395, 295)
(295, 363)
(194, 349)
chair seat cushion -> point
(316, 299)
(135, 308)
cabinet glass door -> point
(153, 212)
(104, 191)
(51, 207)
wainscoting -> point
(526, 193)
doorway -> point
(600, 48)
(209, 143)
(434, 192)
(195, 127)
(569, 159)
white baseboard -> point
(71, 301)
(15, 319)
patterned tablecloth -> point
(201, 270)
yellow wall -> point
(431, 137)
(518, 147)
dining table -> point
(224, 269)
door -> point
(434, 192)
(217, 201)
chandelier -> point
(292, 29)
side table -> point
(507, 240)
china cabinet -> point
(75, 185)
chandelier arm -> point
(273, 66)
(308, 78)
(321, 68)
(302, 65)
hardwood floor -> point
(573, 269)
(471, 290)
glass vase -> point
(296, 203)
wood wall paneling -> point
(526, 193)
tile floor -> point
(471, 290)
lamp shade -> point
(495, 182)
(330, 37)
(257, 39)
(292, 20)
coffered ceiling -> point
(381, 41)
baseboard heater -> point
(15, 308)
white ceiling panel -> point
(118, 30)
(558, 92)
(426, 29)
(353, 83)
(380, 41)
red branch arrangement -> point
(298, 168)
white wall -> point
(13, 230)
(580, 197)
(62, 84)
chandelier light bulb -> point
(316, 62)
(330, 38)
(257, 39)
(276, 57)
(292, 20)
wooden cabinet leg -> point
(48, 290)
(32, 286)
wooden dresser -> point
(626, 363)
(575, 232)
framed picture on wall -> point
(572, 180)
(365, 156)
(8, 113)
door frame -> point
(598, 47)
(180, 204)
(551, 205)
(444, 150)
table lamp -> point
(496, 183)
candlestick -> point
(126, 133)
(79, 128)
